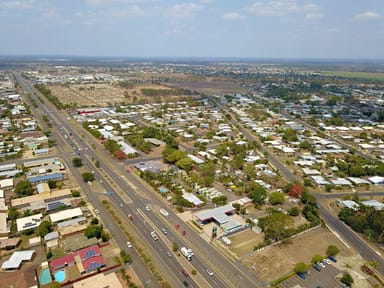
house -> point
(17, 259)
(9, 243)
(99, 281)
(52, 239)
(151, 166)
(29, 222)
(65, 214)
(374, 203)
(86, 260)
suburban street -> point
(337, 226)
(226, 273)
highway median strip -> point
(147, 259)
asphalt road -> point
(221, 267)
(333, 222)
(138, 265)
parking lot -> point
(325, 279)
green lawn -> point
(57, 253)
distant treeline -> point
(165, 92)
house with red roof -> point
(86, 260)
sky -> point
(340, 29)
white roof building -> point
(374, 203)
(29, 222)
(341, 182)
(376, 180)
(4, 183)
(195, 159)
(65, 214)
(17, 258)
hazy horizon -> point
(283, 29)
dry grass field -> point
(107, 94)
(279, 260)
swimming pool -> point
(45, 277)
(60, 276)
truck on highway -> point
(164, 212)
(188, 253)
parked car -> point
(332, 258)
(326, 260)
(301, 275)
(321, 264)
(317, 267)
(129, 244)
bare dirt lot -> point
(279, 260)
(106, 94)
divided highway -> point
(226, 273)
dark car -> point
(333, 259)
(185, 283)
(185, 273)
(301, 275)
(317, 267)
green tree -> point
(175, 247)
(175, 156)
(93, 231)
(220, 200)
(276, 225)
(24, 188)
(185, 164)
(332, 250)
(88, 176)
(276, 198)
(258, 194)
(13, 214)
(317, 258)
(77, 162)
(94, 221)
(44, 228)
(301, 267)
(75, 193)
(347, 279)
(294, 211)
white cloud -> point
(183, 10)
(133, 11)
(233, 16)
(18, 5)
(281, 7)
(367, 15)
(314, 16)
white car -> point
(147, 208)
(321, 264)
(326, 260)
(129, 244)
(210, 273)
